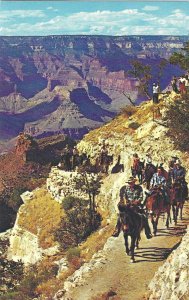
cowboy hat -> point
(131, 179)
(178, 162)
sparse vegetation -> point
(128, 110)
(134, 125)
(73, 252)
(182, 58)
(76, 224)
(15, 200)
(106, 296)
(142, 73)
(177, 117)
(42, 216)
(90, 186)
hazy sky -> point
(108, 18)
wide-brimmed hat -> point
(131, 179)
(178, 162)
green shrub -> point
(134, 125)
(177, 121)
(70, 202)
(77, 224)
(128, 110)
(29, 284)
(14, 296)
(73, 252)
(15, 200)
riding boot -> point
(147, 228)
(117, 228)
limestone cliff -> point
(29, 240)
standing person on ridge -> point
(155, 90)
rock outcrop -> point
(24, 245)
(62, 184)
(171, 280)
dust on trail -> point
(130, 280)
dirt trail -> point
(128, 280)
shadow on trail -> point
(154, 254)
(172, 231)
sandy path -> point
(128, 280)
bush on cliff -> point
(177, 120)
(76, 224)
(181, 59)
(128, 110)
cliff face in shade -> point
(70, 84)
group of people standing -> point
(70, 158)
(180, 84)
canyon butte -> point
(72, 84)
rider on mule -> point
(178, 174)
(148, 159)
(135, 163)
(137, 167)
(159, 181)
(173, 161)
(131, 195)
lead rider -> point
(132, 195)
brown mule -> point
(177, 199)
(132, 224)
(155, 204)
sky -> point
(96, 18)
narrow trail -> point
(130, 280)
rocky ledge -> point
(171, 279)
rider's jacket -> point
(157, 180)
(130, 194)
(136, 162)
(178, 173)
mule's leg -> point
(181, 208)
(174, 214)
(156, 224)
(137, 242)
(133, 241)
(177, 210)
(126, 243)
(167, 221)
(153, 224)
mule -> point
(137, 171)
(177, 197)
(105, 161)
(132, 225)
(149, 171)
(155, 204)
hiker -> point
(155, 90)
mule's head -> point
(125, 221)
(151, 200)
